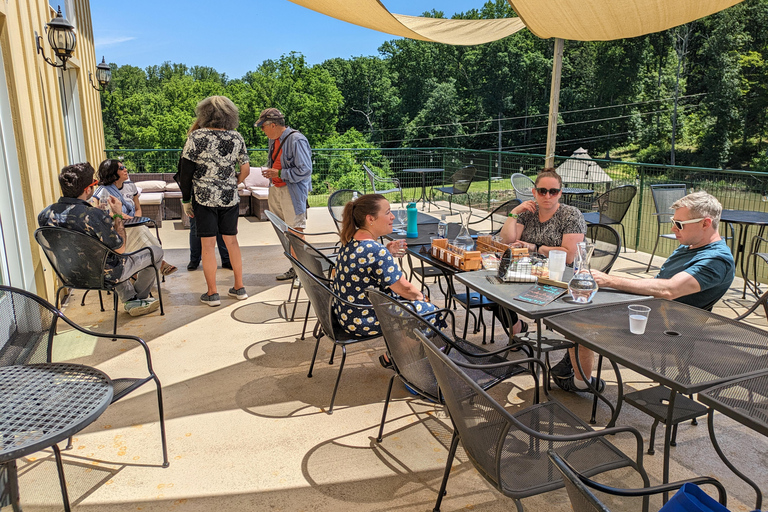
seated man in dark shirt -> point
(74, 212)
(698, 273)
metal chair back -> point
(582, 499)
(522, 185)
(462, 179)
(383, 185)
(281, 228)
(499, 215)
(336, 203)
(77, 259)
(613, 205)
(607, 246)
(314, 260)
(664, 196)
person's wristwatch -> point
(513, 215)
(115, 216)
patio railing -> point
(743, 190)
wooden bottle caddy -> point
(470, 260)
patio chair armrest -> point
(658, 489)
(151, 254)
(126, 337)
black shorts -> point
(213, 220)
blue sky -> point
(235, 36)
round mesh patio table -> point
(43, 404)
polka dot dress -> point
(366, 264)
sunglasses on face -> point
(545, 191)
(121, 167)
(680, 223)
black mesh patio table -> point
(685, 349)
(43, 404)
(744, 400)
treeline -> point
(700, 89)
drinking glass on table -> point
(402, 220)
(398, 248)
(556, 264)
(638, 318)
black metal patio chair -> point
(322, 298)
(29, 327)
(336, 203)
(384, 186)
(523, 186)
(460, 183)
(510, 450)
(611, 207)
(664, 195)
(583, 499)
(80, 263)
(607, 246)
(409, 360)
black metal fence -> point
(742, 190)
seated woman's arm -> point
(569, 246)
(137, 204)
(512, 229)
(406, 289)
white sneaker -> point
(140, 307)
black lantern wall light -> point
(62, 38)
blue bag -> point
(690, 498)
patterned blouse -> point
(365, 264)
(218, 155)
(566, 220)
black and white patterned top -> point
(566, 220)
(218, 155)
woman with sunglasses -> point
(113, 181)
(544, 224)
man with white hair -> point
(698, 273)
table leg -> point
(668, 439)
(423, 190)
(9, 486)
(711, 424)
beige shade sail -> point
(606, 20)
(372, 14)
(578, 20)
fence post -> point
(640, 206)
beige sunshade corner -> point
(372, 14)
(606, 20)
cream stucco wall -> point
(35, 100)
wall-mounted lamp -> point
(103, 75)
(61, 37)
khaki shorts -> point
(280, 204)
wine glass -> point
(402, 218)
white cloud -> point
(111, 40)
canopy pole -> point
(554, 101)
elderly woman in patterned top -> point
(213, 163)
(364, 263)
(544, 225)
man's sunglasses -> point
(680, 223)
(544, 191)
(93, 184)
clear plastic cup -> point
(638, 318)
(557, 264)
(399, 248)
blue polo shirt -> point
(711, 265)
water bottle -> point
(354, 195)
(412, 229)
(103, 203)
(442, 227)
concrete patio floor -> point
(247, 430)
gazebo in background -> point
(580, 169)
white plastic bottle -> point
(442, 227)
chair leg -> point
(114, 327)
(651, 449)
(306, 319)
(314, 355)
(333, 353)
(648, 268)
(296, 300)
(159, 291)
(161, 412)
(338, 377)
(450, 204)
(62, 480)
(447, 473)
(623, 237)
(386, 406)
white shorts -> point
(280, 204)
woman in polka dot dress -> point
(364, 263)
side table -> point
(43, 404)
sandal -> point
(386, 363)
(167, 269)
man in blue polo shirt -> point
(698, 273)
